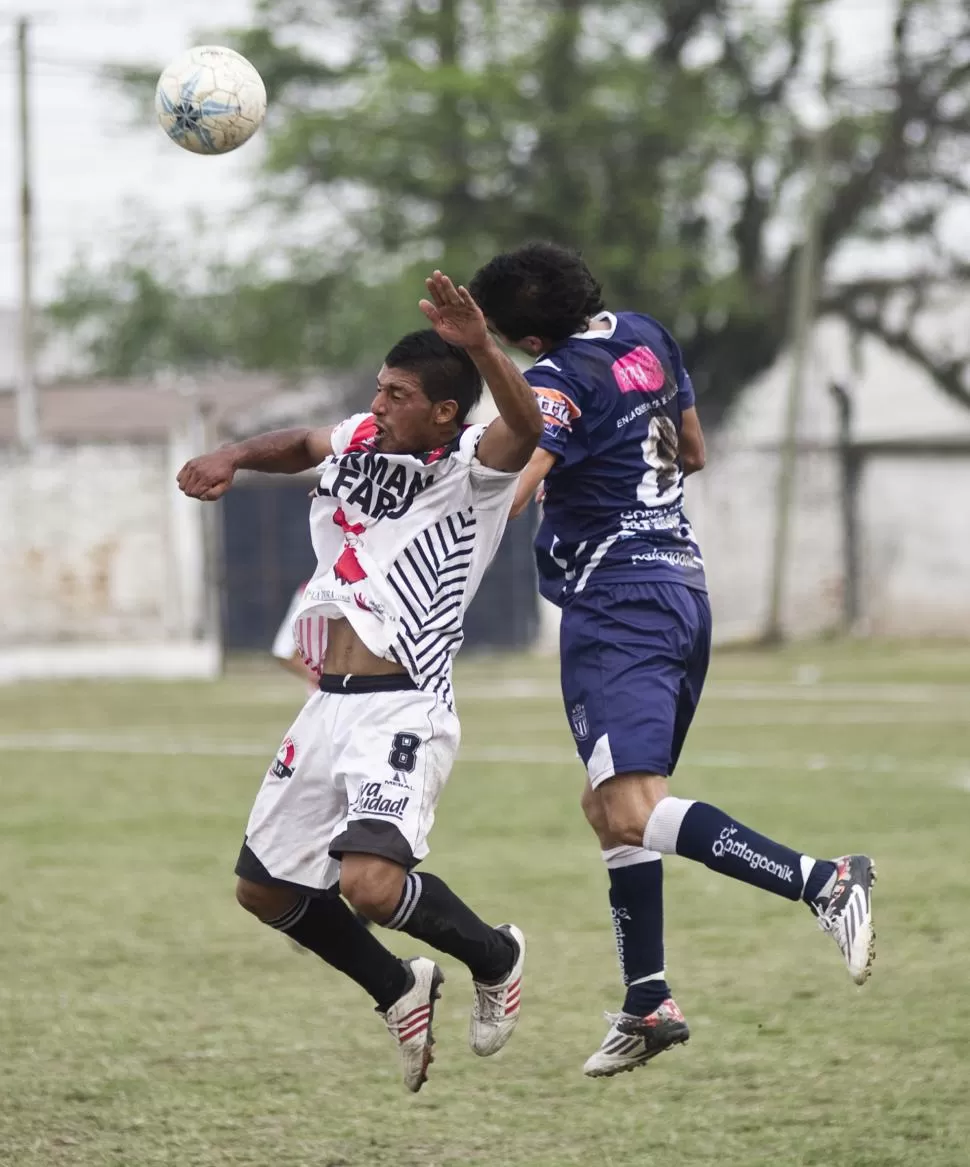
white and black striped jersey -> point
(402, 543)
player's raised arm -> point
(509, 441)
(209, 476)
(530, 481)
(693, 455)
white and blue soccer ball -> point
(210, 100)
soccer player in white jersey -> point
(617, 553)
(409, 511)
(287, 652)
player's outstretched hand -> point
(207, 477)
(453, 313)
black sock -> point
(430, 911)
(330, 929)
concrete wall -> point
(916, 547)
(914, 518)
(100, 557)
(102, 562)
(914, 510)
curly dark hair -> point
(541, 289)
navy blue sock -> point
(818, 885)
(636, 902)
(701, 832)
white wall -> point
(914, 512)
(916, 547)
(100, 556)
(914, 519)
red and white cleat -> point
(495, 1012)
(410, 1018)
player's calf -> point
(636, 909)
(430, 911)
(640, 811)
(323, 924)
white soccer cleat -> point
(847, 917)
(409, 1021)
(633, 1041)
(495, 1012)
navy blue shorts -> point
(634, 658)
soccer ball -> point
(210, 100)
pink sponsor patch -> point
(639, 371)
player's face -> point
(407, 421)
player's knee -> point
(624, 825)
(372, 886)
(262, 900)
(628, 801)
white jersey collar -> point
(598, 333)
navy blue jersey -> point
(612, 402)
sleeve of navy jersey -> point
(561, 411)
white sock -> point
(663, 826)
(628, 856)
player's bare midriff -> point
(347, 654)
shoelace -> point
(835, 926)
(634, 1024)
(405, 1029)
(489, 1002)
(396, 1028)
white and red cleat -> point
(495, 1012)
(410, 1018)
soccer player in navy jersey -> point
(616, 553)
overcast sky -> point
(92, 167)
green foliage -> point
(664, 137)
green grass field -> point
(144, 1019)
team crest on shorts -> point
(283, 763)
(579, 722)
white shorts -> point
(360, 770)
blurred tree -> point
(667, 138)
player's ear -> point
(444, 412)
(531, 345)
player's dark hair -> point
(447, 373)
(541, 289)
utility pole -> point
(27, 420)
(803, 321)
